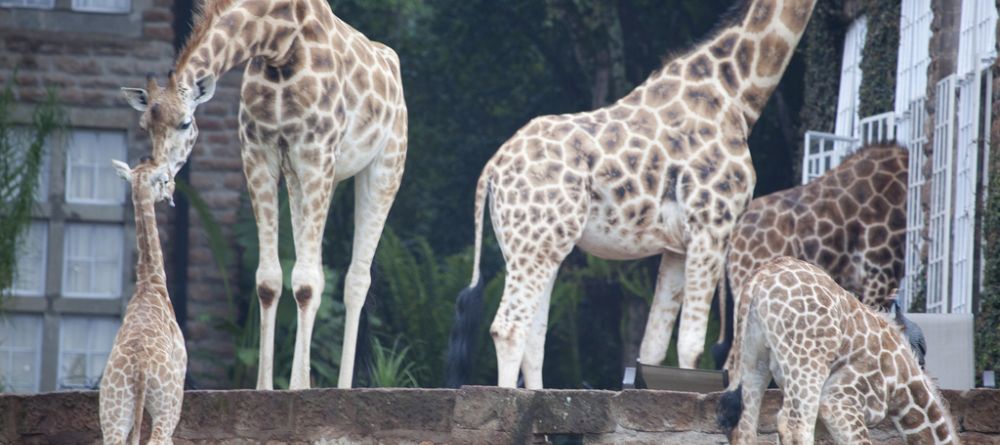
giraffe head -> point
(148, 180)
(168, 117)
(914, 335)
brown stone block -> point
(206, 415)
(648, 410)
(76, 65)
(980, 408)
(157, 15)
(491, 408)
(158, 32)
(563, 411)
(61, 417)
(370, 411)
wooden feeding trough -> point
(671, 378)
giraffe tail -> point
(469, 305)
(140, 402)
(720, 350)
(727, 414)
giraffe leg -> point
(663, 313)
(260, 166)
(374, 191)
(520, 308)
(309, 190)
(534, 351)
(842, 418)
(800, 407)
(702, 270)
(755, 360)
(164, 397)
(117, 406)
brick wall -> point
(471, 415)
(87, 66)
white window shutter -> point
(850, 79)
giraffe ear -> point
(204, 89)
(136, 97)
(123, 169)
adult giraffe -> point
(850, 222)
(664, 171)
(320, 103)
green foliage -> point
(415, 298)
(21, 157)
(878, 58)
(823, 44)
(390, 368)
(988, 319)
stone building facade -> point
(76, 267)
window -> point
(20, 353)
(90, 177)
(92, 260)
(914, 52)
(20, 138)
(850, 79)
(80, 233)
(976, 44)
(34, 4)
(939, 230)
(112, 6)
(29, 273)
(84, 346)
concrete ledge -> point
(471, 415)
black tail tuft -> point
(727, 415)
(468, 311)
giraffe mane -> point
(872, 147)
(733, 16)
(204, 16)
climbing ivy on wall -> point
(824, 41)
(878, 58)
(988, 318)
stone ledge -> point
(473, 414)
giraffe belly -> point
(612, 239)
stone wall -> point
(471, 415)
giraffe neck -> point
(149, 268)
(231, 33)
(930, 424)
(747, 58)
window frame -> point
(58, 213)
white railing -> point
(878, 128)
(824, 151)
(939, 233)
(911, 132)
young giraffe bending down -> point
(833, 357)
(664, 171)
(851, 222)
(320, 103)
(148, 360)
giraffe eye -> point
(185, 125)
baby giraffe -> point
(833, 357)
(148, 360)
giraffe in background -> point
(148, 360)
(833, 357)
(851, 222)
(320, 103)
(664, 171)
